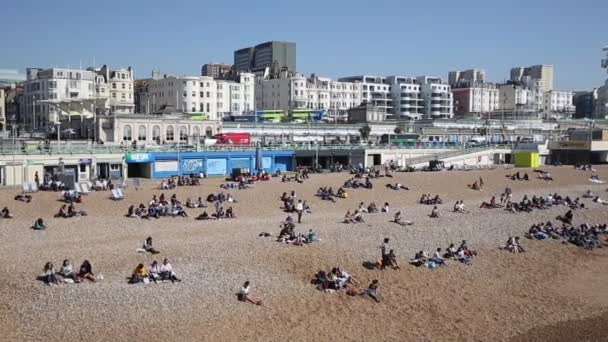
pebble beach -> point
(553, 292)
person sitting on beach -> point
(385, 208)
(372, 291)
(474, 186)
(371, 208)
(358, 217)
(348, 217)
(229, 213)
(62, 213)
(245, 294)
(399, 220)
(460, 208)
(463, 257)
(420, 259)
(567, 218)
(5, 213)
(147, 246)
(437, 258)
(435, 212)
(588, 194)
(154, 272)
(491, 205)
(67, 272)
(190, 204)
(451, 251)
(48, 274)
(86, 272)
(139, 275)
(39, 224)
(203, 216)
(167, 273)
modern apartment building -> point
(376, 90)
(293, 90)
(470, 76)
(437, 97)
(274, 55)
(202, 95)
(216, 70)
(541, 74)
(476, 98)
(407, 99)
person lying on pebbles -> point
(5, 213)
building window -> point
(123, 96)
(113, 85)
(123, 86)
(208, 94)
(156, 133)
(169, 133)
(196, 131)
(141, 133)
(208, 108)
(208, 132)
(126, 133)
(114, 95)
(183, 134)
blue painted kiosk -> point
(167, 164)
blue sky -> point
(334, 37)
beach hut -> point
(527, 159)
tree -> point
(364, 131)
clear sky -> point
(334, 37)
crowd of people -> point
(585, 235)
(428, 199)
(288, 234)
(328, 194)
(517, 176)
(173, 182)
(463, 254)
(354, 183)
(158, 207)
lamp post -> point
(58, 130)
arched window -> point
(141, 133)
(209, 132)
(196, 132)
(156, 134)
(183, 134)
(126, 133)
(169, 134)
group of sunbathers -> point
(430, 200)
(67, 211)
(354, 217)
(158, 207)
(66, 273)
(463, 254)
(460, 208)
(584, 167)
(235, 185)
(543, 202)
(334, 280)
(72, 196)
(356, 184)
(27, 198)
(328, 194)
(518, 176)
(155, 273)
(585, 236)
(289, 236)
(173, 182)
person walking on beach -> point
(299, 210)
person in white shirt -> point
(437, 258)
(385, 208)
(67, 272)
(245, 295)
(299, 209)
(166, 272)
(154, 272)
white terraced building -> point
(375, 90)
(295, 91)
(52, 95)
(202, 95)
